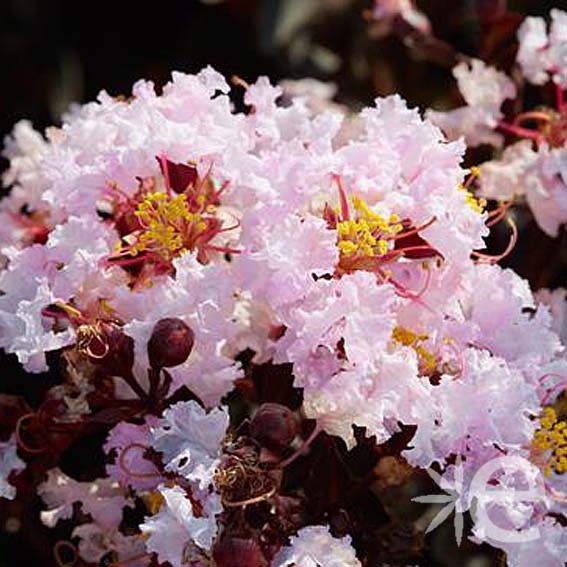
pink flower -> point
(484, 90)
(129, 441)
(176, 531)
(544, 56)
(387, 10)
(314, 545)
(9, 463)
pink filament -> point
(487, 259)
(345, 215)
(560, 96)
(534, 115)
(163, 161)
(520, 132)
(303, 448)
(413, 231)
(124, 467)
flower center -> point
(157, 227)
(367, 234)
(368, 240)
(551, 439)
(169, 228)
(406, 337)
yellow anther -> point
(477, 205)
(366, 235)
(407, 337)
(153, 501)
(347, 248)
(163, 218)
(551, 438)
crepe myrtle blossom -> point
(556, 300)
(543, 55)
(190, 440)
(533, 165)
(176, 534)
(314, 545)
(9, 463)
(190, 247)
(102, 499)
(26, 219)
(386, 11)
(484, 90)
(128, 443)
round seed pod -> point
(171, 343)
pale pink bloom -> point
(477, 405)
(27, 333)
(256, 323)
(544, 56)
(24, 148)
(497, 305)
(9, 463)
(546, 190)
(532, 52)
(96, 541)
(130, 467)
(190, 440)
(387, 10)
(175, 533)
(103, 499)
(63, 269)
(281, 259)
(556, 300)
(503, 178)
(203, 297)
(547, 550)
(540, 176)
(404, 164)
(484, 89)
(314, 546)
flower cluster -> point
(248, 305)
(531, 145)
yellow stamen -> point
(162, 217)
(551, 438)
(407, 337)
(366, 235)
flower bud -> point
(233, 551)
(171, 343)
(274, 426)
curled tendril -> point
(124, 467)
(86, 334)
(243, 484)
(534, 115)
(304, 446)
(59, 547)
(249, 501)
(18, 432)
(497, 214)
(487, 258)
